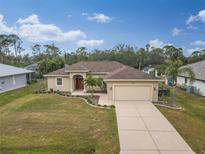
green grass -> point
(10, 96)
(189, 122)
(53, 124)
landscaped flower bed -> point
(92, 100)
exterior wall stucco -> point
(52, 83)
(199, 86)
(154, 90)
(12, 82)
(69, 85)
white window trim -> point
(57, 81)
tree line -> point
(50, 57)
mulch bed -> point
(91, 100)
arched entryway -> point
(78, 82)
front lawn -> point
(53, 124)
(10, 96)
(189, 122)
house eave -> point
(189, 77)
(77, 71)
(56, 75)
(5, 75)
(100, 73)
(145, 80)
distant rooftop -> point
(198, 68)
(8, 70)
(32, 67)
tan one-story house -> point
(122, 82)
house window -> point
(59, 81)
(2, 82)
(185, 80)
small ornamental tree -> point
(91, 82)
(100, 83)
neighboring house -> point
(122, 82)
(13, 77)
(199, 81)
(150, 70)
(35, 68)
(32, 67)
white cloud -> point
(4, 29)
(199, 17)
(193, 49)
(176, 31)
(32, 19)
(90, 43)
(198, 42)
(192, 27)
(97, 17)
(156, 43)
(32, 29)
(191, 19)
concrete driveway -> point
(144, 130)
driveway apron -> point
(144, 130)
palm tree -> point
(142, 57)
(173, 69)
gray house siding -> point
(199, 86)
(12, 82)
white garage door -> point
(133, 92)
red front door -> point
(79, 83)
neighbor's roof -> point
(7, 70)
(113, 69)
(198, 68)
(32, 67)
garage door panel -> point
(132, 92)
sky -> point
(103, 24)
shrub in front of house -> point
(164, 90)
(59, 92)
(112, 106)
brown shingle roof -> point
(115, 70)
(96, 66)
(58, 72)
(128, 72)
